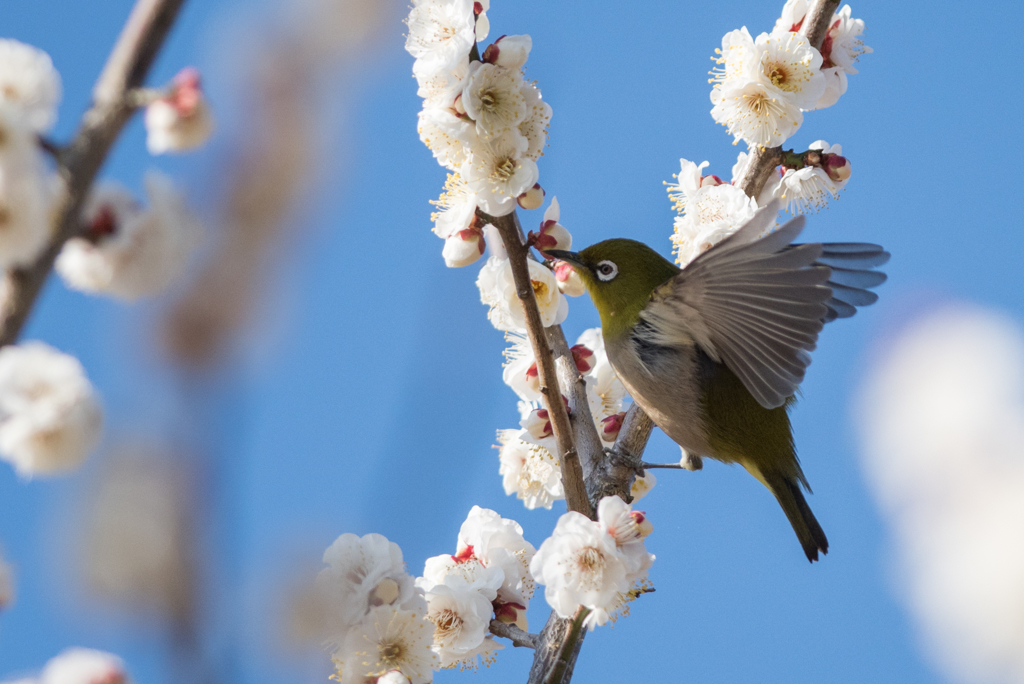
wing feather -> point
(757, 303)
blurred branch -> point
(79, 162)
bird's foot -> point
(625, 459)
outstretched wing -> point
(757, 304)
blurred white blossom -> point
(127, 251)
(84, 666)
(942, 416)
(441, 33)
(50, 416)
(25, 190)
(461, 613)
(180, 120)
(387, 638)
(29, 83)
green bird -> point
(715, 352)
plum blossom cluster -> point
(50, 417)
(528, 465)
(488, 578)
(81, 666)
(762, 86)
(481, 119)
(710, 209)
(128, 251)
(376, 616)
(600, 565)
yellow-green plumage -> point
(714, 352)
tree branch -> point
(569, 458)
(518, 637)
(558, 646)
(78, 163)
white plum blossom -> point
(759, 114)
(809, 188)
(642, 486)
(552, 234)
(520, 372)
(128, 252)
(534, 126)
(441, 33)
(363, 573)
(529, 471)
(457, 207)
(29, 83)
(605, 392)
(580, 564)
(619, 520)
(709, 211)
(447, 135)
(461, 612)
(499, 543)
(50, 417)
(84, 666)
(498, 291)
(792, 65)
(464, 247)
(499, 173)
(440, 89)
(25, 191)
(180, 120)
(493, 98)
(387, 638)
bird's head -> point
(620, 275)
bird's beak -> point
(572, 258)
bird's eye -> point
(607, 270)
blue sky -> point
(365, 394)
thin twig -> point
(518, 256)
(78, 163)
(518, 637)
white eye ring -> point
(606, 270)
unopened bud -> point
(104, 223)
(643, 523)
(181, 120)
(538, 424)
(463, 247)
(711, 181)
(837, 167)
(569, 281)
(511, 614)
(583, 358)
(533, 377)
(611, 426)
(553, 235)
(385, 593)
(532, 198)
(478, 8)
(509, 51)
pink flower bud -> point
(533, 377)
(553, 235)
(611, 425)
(583, 358)
(538, 424)
(511, 614)
(569, 281)
(463, 247)
(643, 523)
(711, 181)
(104, 223)
(837, 167)
(532, 198)
(181, 119)
(509, 51)
(478, 8)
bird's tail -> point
(808, 531)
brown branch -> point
(558, 646)
(764, 159)
(80, 161)
(568, 456)
(519, 638)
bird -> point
(715, 352)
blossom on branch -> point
(50, 417)
(29, 83)
(25, 190)
(810, 188)
(180, 120)
(388, 638)
(126, 251)
(529, 471)
(498, 291)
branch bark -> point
(518, 637)
(78, 163)
(568, 456)
(558, 646)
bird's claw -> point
(625, 459)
